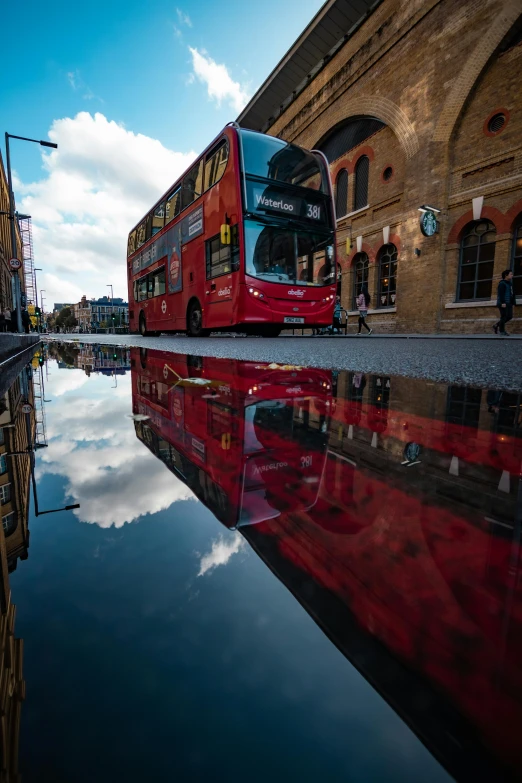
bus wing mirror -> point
(225, 234)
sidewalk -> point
(12, 344)
(400, 336)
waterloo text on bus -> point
(244, 240)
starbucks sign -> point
(428, 223)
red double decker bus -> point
(244, 240)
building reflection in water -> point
(391, 509)
(22, 429)
(91, 357)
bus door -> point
(222, 279)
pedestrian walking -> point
(362, 302)
(336, 326)
(505, 302)
(8, 319)
(26, 320)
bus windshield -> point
(280, 255)
(285, 181)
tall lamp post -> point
(38, 318)
(112, 307)
(17, 288)
(42, 306)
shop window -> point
(387, 276)
(516, 264)
(362, 173)
(463, 406)
(341, 194)
(477, 256)
(360, 275)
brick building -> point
(415, 103)
(6, 295)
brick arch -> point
(472, 69)
(344, 163)
(394, 240)
(382, 109)
(368, 249)
(366, 150)
(513, 215)
(489, 213)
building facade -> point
(415, 103)
(6, 273)
(97, 313)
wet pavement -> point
(480, 362)
(275, 571)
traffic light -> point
(37, 311)
(41, 360)
(113, 316)
(114, 356)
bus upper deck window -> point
(192, 185)
(131, 247)
(158, 218)
(216, 163)
(173, 205)
(140, 234)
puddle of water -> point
(271, 567)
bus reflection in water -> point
(399, 533)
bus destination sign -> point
(270, 199)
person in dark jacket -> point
(505, 301)
(26, 320)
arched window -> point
(341, 194)
(477, 255)
(360, 275)
(387, 276)
(360, 194)
(516, 264)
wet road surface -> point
(487, 362)
(273, 568)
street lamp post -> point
(17, 288)
(38, 319)
(112, 307)
(42, 306)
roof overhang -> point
(328, 31)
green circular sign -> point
(428, 223)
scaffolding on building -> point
(26, 234)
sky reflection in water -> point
(158, 643)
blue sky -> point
(171, 73)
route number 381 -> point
(313, 211)
(306, 462)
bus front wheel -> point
(195, 321)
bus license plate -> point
(290, 319)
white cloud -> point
(219, 83)
(183, 18)
(93, 446)
(220, 553)
(97, 184)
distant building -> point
(93, 313)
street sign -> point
(23, 299)
(14, 263)
(27, 407)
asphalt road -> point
(488, 363)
